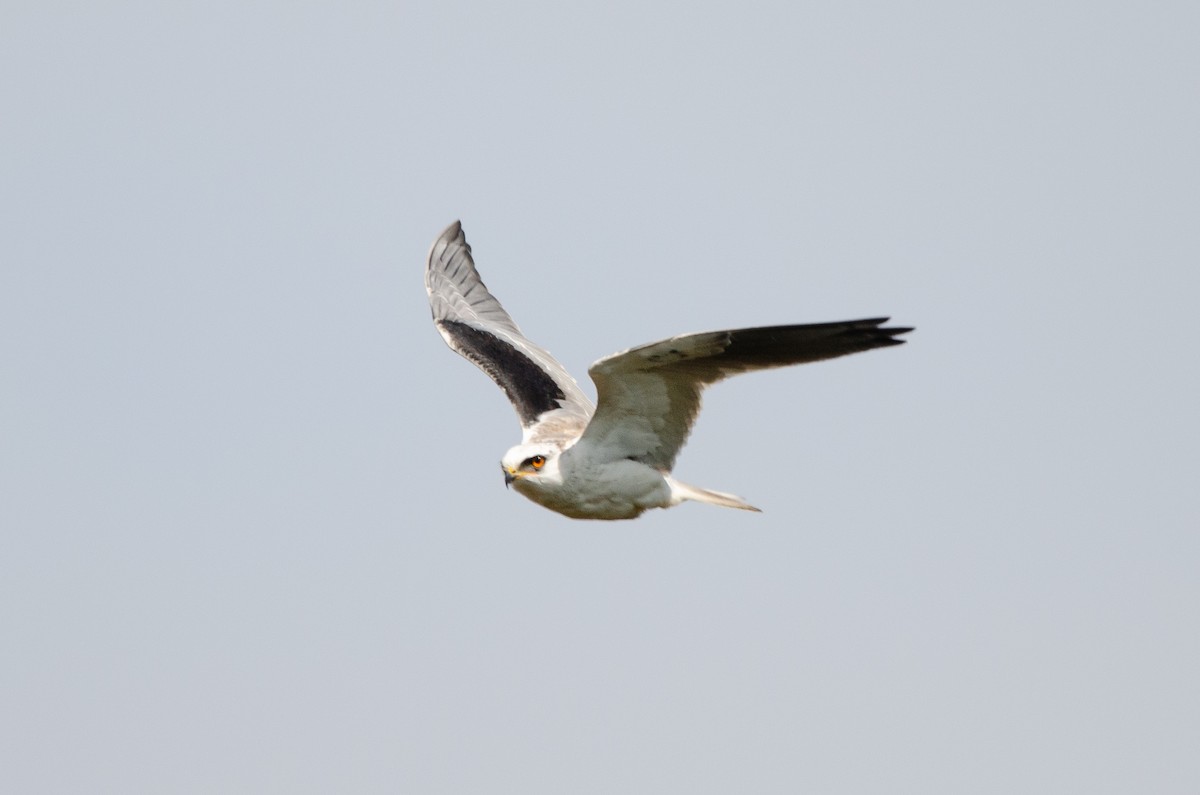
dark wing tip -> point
(874, 334)
(875, 328)
(888, 333)
(777, 346)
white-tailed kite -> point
(613, 460)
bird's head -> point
(531, 466)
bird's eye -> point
(538, 461)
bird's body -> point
(588, 484)
(612, 461)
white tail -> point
(682, 491)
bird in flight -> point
(612, 460)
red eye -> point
(538, 461)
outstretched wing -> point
(474, 324)
(648, 397)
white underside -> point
(624, 489)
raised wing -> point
(648, 397)
(474, 324)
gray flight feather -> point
(649, 396)
(474, 324)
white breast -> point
(591, 489)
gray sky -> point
(254, 535)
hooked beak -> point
(509, 476)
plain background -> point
(253, 534)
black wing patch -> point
(531, 390)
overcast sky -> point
(253, 534)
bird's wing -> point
(648, 397)
(474, 324)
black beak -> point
(508, 479)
